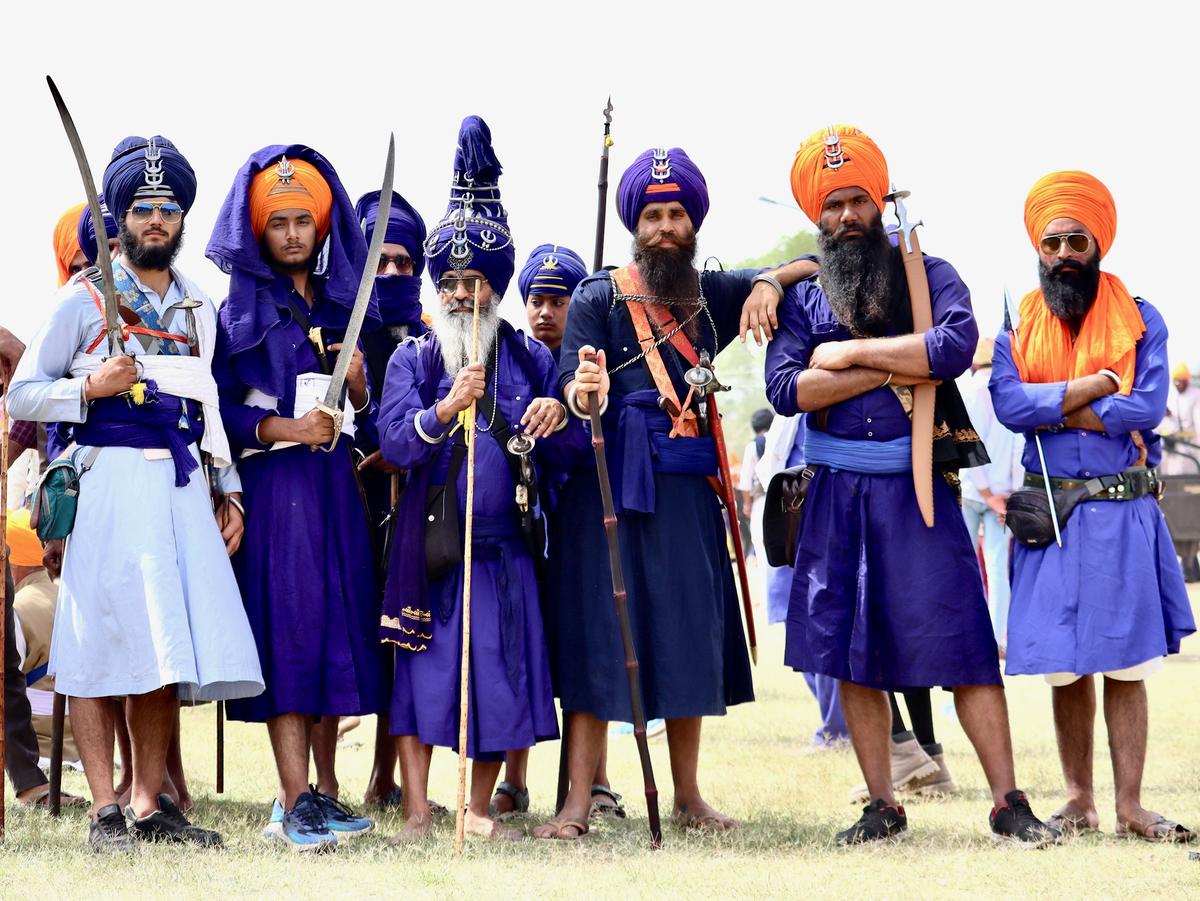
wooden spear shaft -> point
(465, 665)
(3, 566)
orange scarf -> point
(1106, 340)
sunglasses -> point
(402, 262)
(472, 283)
(1078, 243)
(143, 210)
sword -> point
(1037, 439)
(332, 404)
(923, 395)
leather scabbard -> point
(923, 395)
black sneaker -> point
(168, 824)
(108, 834)
(1015, 824)
(879, 820)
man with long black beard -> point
(1087, 372)
(879, 601)
(644, 322)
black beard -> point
(144, 256)
(669, 273)
(860, 279)
(1069, 288)
(309, 265)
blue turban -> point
(86, 234)
(474, 233)
(147, 168)
(405, 225)
(660, 176)
(551, 269)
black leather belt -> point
(1133, 483)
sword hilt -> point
(338, 417)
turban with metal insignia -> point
(660, 176)
(291, 184)
(551, 269)
(833, 158)
(404, 225)
(474, 233)
(87, 234)
(65, 245)
(151, 167)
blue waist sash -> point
(163, 421)
(867, 457)
(645, 449)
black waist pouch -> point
(443, 534)
(784, 513)
(1028, 513)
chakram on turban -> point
(836, 157)
(659, 176)
(144, 167)
(65, 243)
(551, 269)
(1071, 195)
(404, 225)
(87, 234)
(291, 184)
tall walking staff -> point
(467, 423)
(3, 566)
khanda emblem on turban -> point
(154, 167)
(835, 156)
(550, 262)
(660, 168)
(285, 170)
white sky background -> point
(970, 102)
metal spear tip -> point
(608, 111)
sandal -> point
(560, 833)
(609, 804)
(706, 822)
(1067, 825)
(519, 797)
(393, 800)
(42, 800)
(1158, 830)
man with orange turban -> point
(68, 256)
(289, 238)
(1086, 371)
(879, 601)
(1182, 424)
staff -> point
(3, 566)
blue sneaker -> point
(275, 824)
(343, 822)
(304, 828)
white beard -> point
(454, 334)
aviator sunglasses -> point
(143, 210)
(449, 285)
(402, 261)
(1078, 243)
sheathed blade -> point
(333, 397)
(112, 319)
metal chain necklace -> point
(700, 303)
(495, 384)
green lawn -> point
(756, 764)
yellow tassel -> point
(464, 422)
(137, 392)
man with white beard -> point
(423, 425)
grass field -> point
(756, 764)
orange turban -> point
(66, 244)
(24, 548)
(290, 185)
(1071, 195)
(823, 165)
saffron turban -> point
(1181, 371)
(143, 167)
(551, 269)
(474, 233)
(24, 548)
(291, 184)
(87, 235)
(404, 225)
(660, 176)
(65, 244)
(837, 157)
(1071, 195)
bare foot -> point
(1072, 819)
(415, 829)
(347, 723)
(701, 816)
(1146, 824)
(185, 803)
(474, 824)
(561, 829)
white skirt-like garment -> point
(147, 596)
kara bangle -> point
(573, 405)
(770, 280)
(421, 429)
(1112, 375)
(366, 403)
(887, 381)
(565, 418)
(233, 500)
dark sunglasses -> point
(402, 262)
(143, 210)
(1079, 243)
(449, 284)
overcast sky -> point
(970, 102)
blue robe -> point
(683, 606)
(1113, 595)
(512, 703)
(878, 599)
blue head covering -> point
(474, 232)
(660, 176)
(254, 289)
(404, 226)
(144, 167)
(551, 269)
(86, 234)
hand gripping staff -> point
(4, 600)
(923, 395)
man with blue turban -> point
(85, 232)
(547, 281)
(148, 605)
(646, 323)
(291, 243)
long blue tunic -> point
(683, 605)
(1113, 595)
(877, 598)
(511, 700)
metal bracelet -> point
(770, 280)
(366, 403)
(425, 435)
(1112, 375)
(573, 405)
(233, 500)
(565, 418)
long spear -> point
(465, 663)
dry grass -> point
(756, 765)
